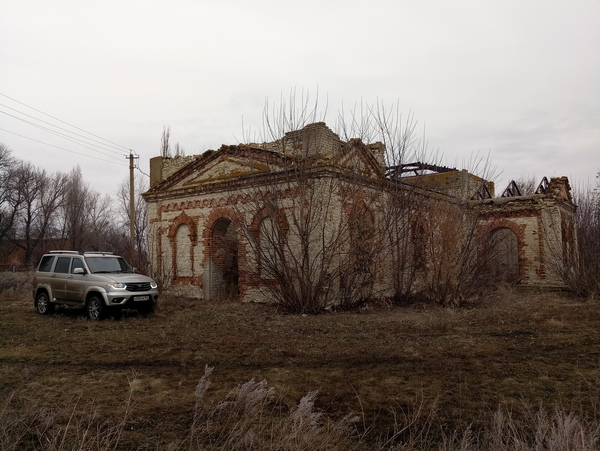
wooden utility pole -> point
(131, 208)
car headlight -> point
(117, 285)
(153, 284)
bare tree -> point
(299, 241)
(140, 258)
(333, 238)
(42, 196)
(430, 244)
(179, 151)
(102, 228)
(74, 210)
(10, 198)
(165, 147)
(61, 210)
(86, 216)
(340, 241)
(403, 204)
(307, 238)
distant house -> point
(240, 220)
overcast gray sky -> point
(518, 79)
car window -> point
(46, 263)
(62, 264)
(77, 263)
(108, 264)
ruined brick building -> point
(313, 215)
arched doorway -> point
(222, 262)
(503, 255)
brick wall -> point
(195, 224)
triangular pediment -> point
(227, 167)
(227, 164)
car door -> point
(58, 280)
(76, 283)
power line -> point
(64, 122)
(137, 157)
(74, 140)
(138, 168)
(62, 148)
(56, 126)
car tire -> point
(95, 308)
(43, 304)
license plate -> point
(141, 298)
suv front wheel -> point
(95, 308)
(43, 304)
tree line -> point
(41, 211)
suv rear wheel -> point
(95, 308)
(43, 304)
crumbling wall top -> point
(162, 168)
(560, 188)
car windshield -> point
(108, 264)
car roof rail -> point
(99, 253)
(63, 252)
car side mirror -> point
(79, 271)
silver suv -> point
(98, 281)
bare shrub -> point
(163, 273)
(579, 265)
(586, 277)
(310, 234)
(298, 241)
(451, 250)
(18, 282)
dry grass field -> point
(512, 370)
